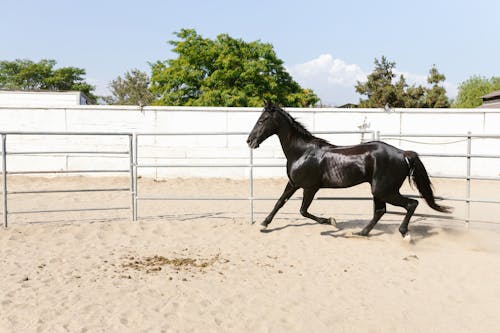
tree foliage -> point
(379, 87)
(435, 97)
(132, 89)
(383, 89)
(471, 90)
(24, 74)
(224, 72)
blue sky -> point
(326, 45)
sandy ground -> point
(201, 266)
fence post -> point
(468, 180)
(4, 176)
(251, 186)
(134, 163)
(131, 167)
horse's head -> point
(266, 125)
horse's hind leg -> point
(409, 204)
(306, 202)
(378, 212)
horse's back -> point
(346, 166)
(366, 147)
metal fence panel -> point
(6, 172)
(133, 165)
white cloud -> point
(337, 71)
(334, 79)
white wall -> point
(231, 148)
(35, 98)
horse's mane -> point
(297, 127)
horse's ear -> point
(270, 106)
(267, 105)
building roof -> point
(348, 106)
(492, 95)
(490, 105)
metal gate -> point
(5, 172)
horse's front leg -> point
(289, 191)
(306, 202)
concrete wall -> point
(230, 149)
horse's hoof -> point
(333, 221)
(265, 230)
(361, 234)
(264, 224)
(407, 237)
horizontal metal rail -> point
(159, 197)
(67, 210)
(242, 165)
(489, 201)
(71, 191)
(419, 135)
(167, 198)
(283, 166)
(465, 177)
(62, 171)
(67, 152)
(243, 198)
(61, 133)
(189, 133)
(193, 165)
(459, 155)
(241, 133)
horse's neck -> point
(293, 145)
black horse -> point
(314, 163)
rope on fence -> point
(423, 143)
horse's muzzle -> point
(252, 143)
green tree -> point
(132, 89)
(224, 72)
(435, 97)
(382, 89)
(24, 74)
(471, 90)
(414, 96)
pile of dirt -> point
(156, 263)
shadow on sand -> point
(268, 230)
(349, 228)
(418, 231)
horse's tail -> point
(418, 175)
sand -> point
(200, 266)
